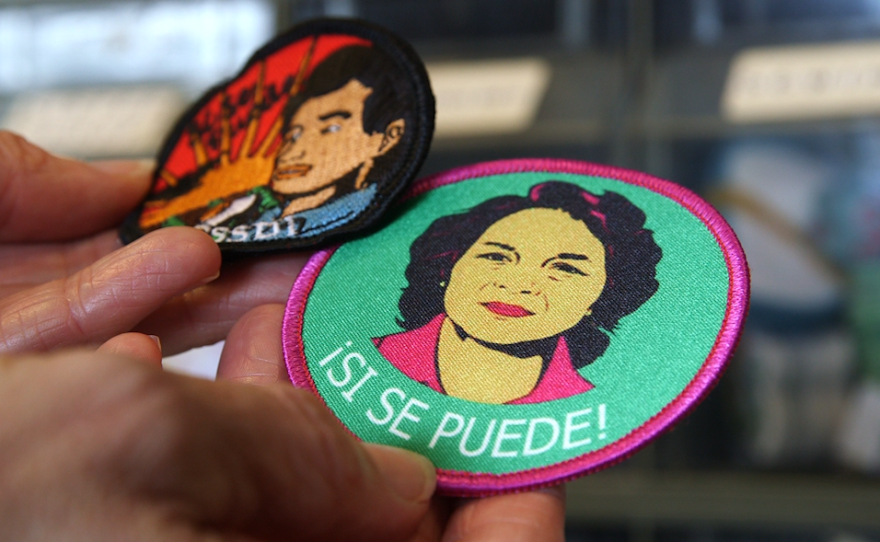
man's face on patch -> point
(326, 141)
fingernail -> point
(132, 168)
(408, 474)
(157, 341)
(212, 278)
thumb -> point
(272, 462)
(395, 484)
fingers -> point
(112, 295)
(48, 198)
(434, 522)
(146, 348)
(206, 315)
(120, 441)
(24, 266)
(253, 351)
(521, 517)
(253, 354)
(406, 473)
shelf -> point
(584, 106)
(726, 499)
(684, 96)
(576, 109)
(543, 133)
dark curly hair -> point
(631, 257)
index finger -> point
(47, 198)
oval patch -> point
(316, 135)
(522, 322)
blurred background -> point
(768, 108)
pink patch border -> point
(468, 484)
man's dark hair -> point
(631, 257)
(390, 100)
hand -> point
(98, 446)
(521, 517)
(65, 279)
(95, 446)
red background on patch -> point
(280, 66)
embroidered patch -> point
(314, 137)
(522, 322)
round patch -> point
(522, 322)
(313, 138)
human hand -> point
(521, 517)
(65, 279)
(95, 446)
(99, 446)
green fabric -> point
(864, 311)
(265, 198)
(654, 352)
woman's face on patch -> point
(531, 275)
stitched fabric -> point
(414, 353)
(372, 328)
(316, 135)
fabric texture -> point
(664, 350)
(313, 139)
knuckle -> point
(36, 321)
(330, 452)
(18, 153)
(76, 311)
(89, 303)
(160, 420)
(18, 160)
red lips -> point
(504, 309)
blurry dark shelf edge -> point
(577, 107)
(593, 131)
(586, 104)
(718, 498)
(558, 132)
(713, 127)
(683, 102)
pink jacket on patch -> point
(415, 354)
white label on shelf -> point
(803, 82)
(127, 121)
(488, 97)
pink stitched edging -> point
(291, 331)
(461, 483)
